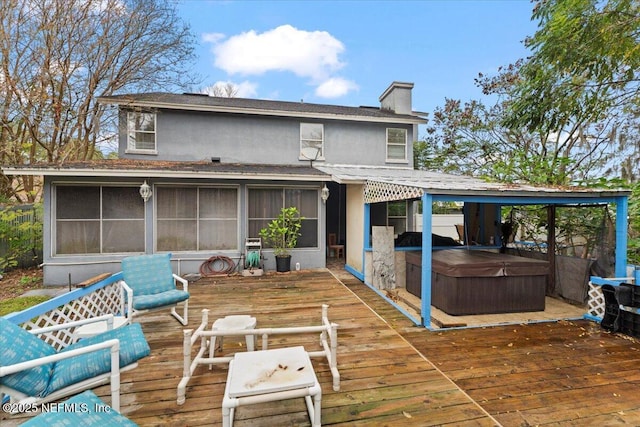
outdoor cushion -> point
(82, 410)
(17, 345)
(133, 346)
(143, 302)
(148, 274)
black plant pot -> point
(283, 263)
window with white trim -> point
(396, 145)
(397, 216)
(98, 219)
(265, 205)
(141, 132)
(311, 141)
(196, 218)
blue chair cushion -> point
(17, 345)
(82, 410)
(148, 274)
(133, 346)
(143, 302)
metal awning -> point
(388, 184)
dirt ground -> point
(16, 282)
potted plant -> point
(281, 235)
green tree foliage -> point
(20, 235)
(585, 71)
(57, 56)
(471, 139)
(566, 115)
(633, 252)
(585, 59)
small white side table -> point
(238, 322)
(95, 328)
(268, 376)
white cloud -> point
(245, 89)
(311, 54)
(212, 37)
(335, 87)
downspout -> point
(427, 247)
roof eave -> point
(260, 112)
(159, 173)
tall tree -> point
(570, 110)
(56, 56)
(471, 139)
(584, 70)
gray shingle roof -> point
(246, 105)
(129, 167)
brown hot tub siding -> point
(479, 282)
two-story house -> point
(214, 172)
(197, 176)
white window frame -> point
(310, 142)
(395, 144)
(198, 220)
(284, 189)
(398, 217)
(131, 145)
(100, 220)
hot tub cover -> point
(478, 263)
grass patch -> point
(20, 303)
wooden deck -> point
(392, 372)
(567, 373)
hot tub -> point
(480, 282)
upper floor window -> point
(396, 145)
(311, 141)
(141, 132)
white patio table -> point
(271, 375)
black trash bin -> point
(627, 294)
(611, 319)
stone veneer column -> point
(383, 255)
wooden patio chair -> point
(334, 247)
(33, 372)
(151, 284)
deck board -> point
(567, 373)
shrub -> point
(20, 236)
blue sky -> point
(348, 52)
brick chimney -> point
(397, 98)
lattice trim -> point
(596, 306)
(376, 191)
(106, 300)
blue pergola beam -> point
(622, 208)
(425, 309)
(512, 200)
